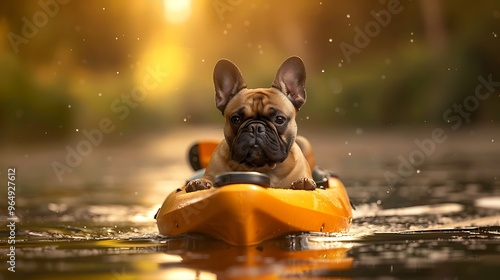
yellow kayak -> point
(249, 212)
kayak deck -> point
(247, 214)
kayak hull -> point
(247, 214)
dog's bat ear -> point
(228, 82)
(291, 80)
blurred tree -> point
(417, 62)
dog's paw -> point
(198, 184)
(303, 184)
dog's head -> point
(260, 123)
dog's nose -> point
(256, 128)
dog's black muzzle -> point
(258, 144)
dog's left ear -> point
(228, 81)
(291, 80)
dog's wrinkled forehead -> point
(260, 101)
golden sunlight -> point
(177, 11)
(166, 63)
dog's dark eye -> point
(280, 120)
(235, 120)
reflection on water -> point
(60, 254)
(430, 227)
(117, 242)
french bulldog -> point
(260, 132)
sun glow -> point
(177, 11)
(165, 63)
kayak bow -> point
(247, 214)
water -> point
(440, 223)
